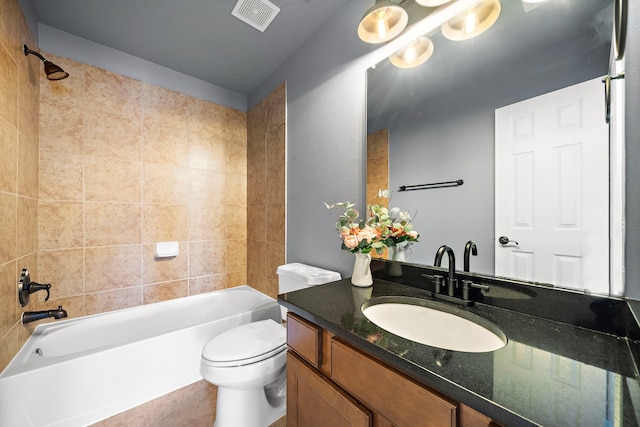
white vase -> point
(397, 254)
(362, 270)
(395, 268)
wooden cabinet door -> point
(314, 401)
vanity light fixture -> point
(472, 22)
(52, 71)
(432, 3)
(382, 22)
(415, 53)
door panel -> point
(552, 188)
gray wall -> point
(326, 103)
(436, 146)
(632, 131)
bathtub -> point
(79, 371)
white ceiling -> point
(199, 38)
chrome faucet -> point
(469, 249)
(32, 316)
(452, 283)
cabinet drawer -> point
(304, 338)
(314, 401)
(400, 399)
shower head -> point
(52, 71)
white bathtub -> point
(79, 371)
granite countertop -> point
(550, 373)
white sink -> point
(434, 324)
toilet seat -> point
(245, 344)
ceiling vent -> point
(257, 13)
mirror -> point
(439, 118)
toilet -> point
(247, 363)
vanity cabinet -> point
(330, 382)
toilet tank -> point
(295, 276)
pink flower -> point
(350, 241)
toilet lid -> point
(246, 344)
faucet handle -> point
(26, 287)
(468, 284)
(436, 279)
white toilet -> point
(247, 363)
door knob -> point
(503, 240)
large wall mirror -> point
(439, 121)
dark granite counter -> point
(550, 373)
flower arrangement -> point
(383, 228)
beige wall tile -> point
(157, 270)
(256, 257)
(8, 298)
(64, 269)
(275, 257)
(61, 176)
(164, 291)
(164, 223)
(8, 227)
(61, 130)
(107, 91)
(205, 116)
(236, 256)
(10, 25)
(28, 106)
(165, 184)
(236, 157)
(275, 166)
(27, 166)
(112, 267)
(164, 107)
(235, 129)
(206, 222)
(8, 347)
(8, 157)
(207, 187)
(102, 302)
(236, 279)
(27, 220)
(207, 257)
(206, 152)
(112, 223)
(108, 179)
(257, 223)
(164, 144)
(112, 134)
(276, 107)
(275, 223)
(199, 285)
(60, 225)
(235, 221)
(235, 190)
(8, 87)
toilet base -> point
(251, 407)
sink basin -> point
(434, 324)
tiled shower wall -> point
(266, 190)
(124, 165)
(19, 86)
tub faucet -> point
(452, 283)
(32, 316)
(469, 249)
